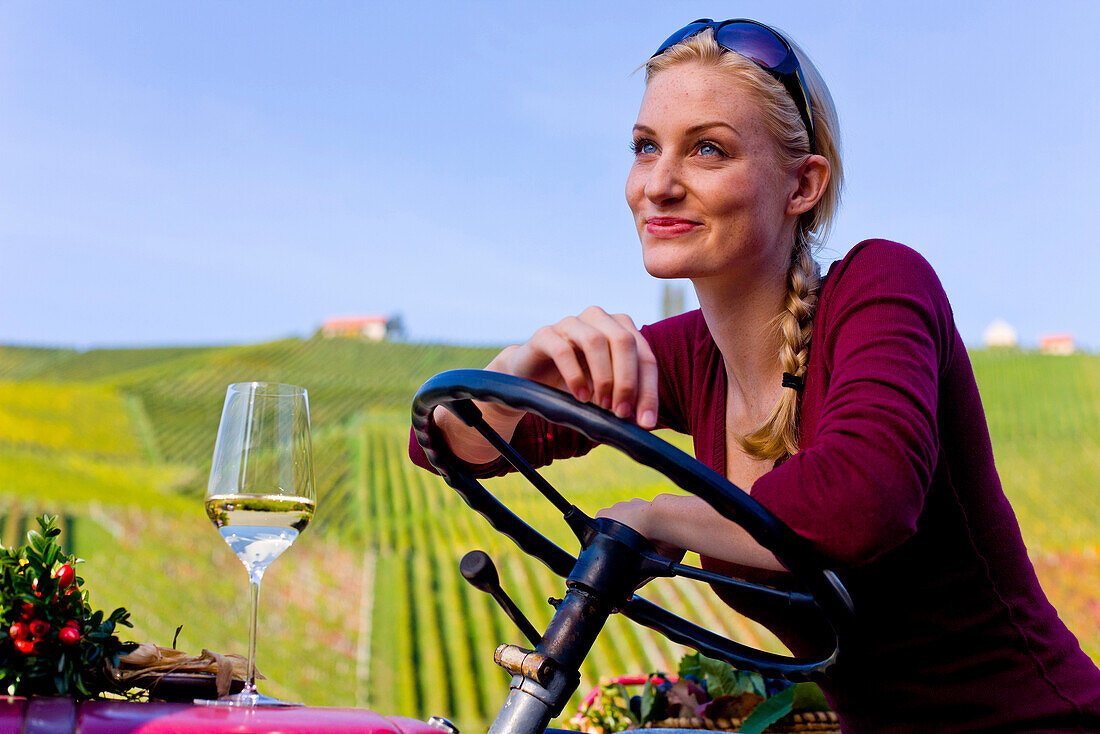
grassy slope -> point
(121, 439)
(1044, 419)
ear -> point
(811, 179)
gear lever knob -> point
(477, 568)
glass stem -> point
(254, 580)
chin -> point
(666, 265)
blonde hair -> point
(777, 436)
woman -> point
(845, 405)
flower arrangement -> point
(51, 641)
(706, 693)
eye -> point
(643, 146)
(708, 148)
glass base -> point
(246, 699)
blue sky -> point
(179, 173)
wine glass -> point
(260, 494)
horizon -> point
(1020, 346)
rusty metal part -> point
(527, 663)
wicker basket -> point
(820, 722)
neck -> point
(740, 315)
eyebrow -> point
(701, 127)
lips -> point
(670, 226)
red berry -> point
(65, 576)
(19, 631)
(40, 628)
(27, 610)
(69, 635)
(73, 623)
(24, 646)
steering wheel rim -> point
(456, 388)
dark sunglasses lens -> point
(754, 42)
(689, 30)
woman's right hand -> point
(597, 357)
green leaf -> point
(769, 712)
(37, 542)
(691, 665)
(809, 697)
(81, 687)
(721, 679)
(649, 698)
(752, 682)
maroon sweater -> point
(894, 483)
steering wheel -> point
(825, 595)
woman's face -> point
(708, 196)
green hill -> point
(367, 608)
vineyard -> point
(368, 609)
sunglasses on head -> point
(759, 43)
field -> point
(368, 609)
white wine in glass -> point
(260, 495)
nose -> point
(664, 183)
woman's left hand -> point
(642, 516)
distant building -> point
(1056, 344)
(371, 327)
(999, 334)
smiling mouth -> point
(670, 226)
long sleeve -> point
(541, 442)
(857, 487)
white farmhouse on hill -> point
(999, 334)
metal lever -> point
(477, 568)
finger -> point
(624, 359)
(548, 346)
(647, 391)
(504, 357)
(616, 509)
(648, 388)
(595, 354)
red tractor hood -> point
(63, 716)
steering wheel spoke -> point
(713, 645)
(746, 589)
